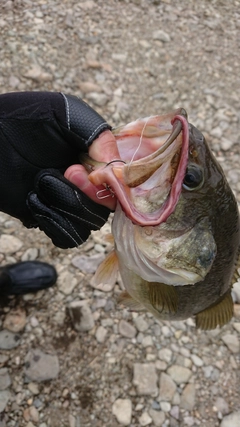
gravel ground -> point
(128, 59)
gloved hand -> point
(41, 135)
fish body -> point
(182, 265)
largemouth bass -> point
(176, 226)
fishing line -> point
(140, 141)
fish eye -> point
(193, 178)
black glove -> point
(46, 130)
(62, 211)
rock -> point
(126, 329)
(33, 387)
(221, 406)
(13, 81)
(8, 340)
(38, 74)
(99, 99)
(165, 354)
(179, 374)
(147, 341)
(30, 254)
(165, 406)
(88, 264)
(5, 380)
(66, 282)
(231, 420)
(145, 419)
(15, 320)
(145, 378)
(175, 412)
(236, 292)
(196, 360)
(122, 409)
(4, 398)
(101, 334)
(187, 401)
(162, 36)
(140, 324)
(231, 342)
(9, 244)
(167, 387)
(87, 87)
(40, 366)
(81, 316)
(158, 417)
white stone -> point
(122, 409)
(232, 342)
(145, 378)
(101, 334)
(179, 374)
(231, 420)
(145, 419)
(9, 244)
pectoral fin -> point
(217, 315)
(107, 270)
(126, 299)
(162, 297)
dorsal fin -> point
(218, 314)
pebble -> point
(15, 320)
(175, 412)
(88, 264)
(9, 340)
(147, 341)
(162, 36)
(231, 420)
(158, 417)
(165, 406)
(5, 380)
(145, 378)
(81, 316)
(236, 291)
(66, 282)
(9, 244)
(140, 324)
(221, 406)
(30, 254)
(40, 366)
(101, 334)
(145, 419)
(197, 360)
(99, 99)
(187, 401)
(126, 329)
(122, 409)
(231, 342)
(33, 387)
(179, 374)
(4, 398)
(165, 354)
(167, 387)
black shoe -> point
(26, 277)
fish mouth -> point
(148, 188)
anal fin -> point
(218, 314)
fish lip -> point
(160, 215)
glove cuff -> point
(83, 120)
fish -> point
(176, 228)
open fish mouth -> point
(147, 180)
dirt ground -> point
(127, 59)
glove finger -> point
(64, 233)
(64, 197)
